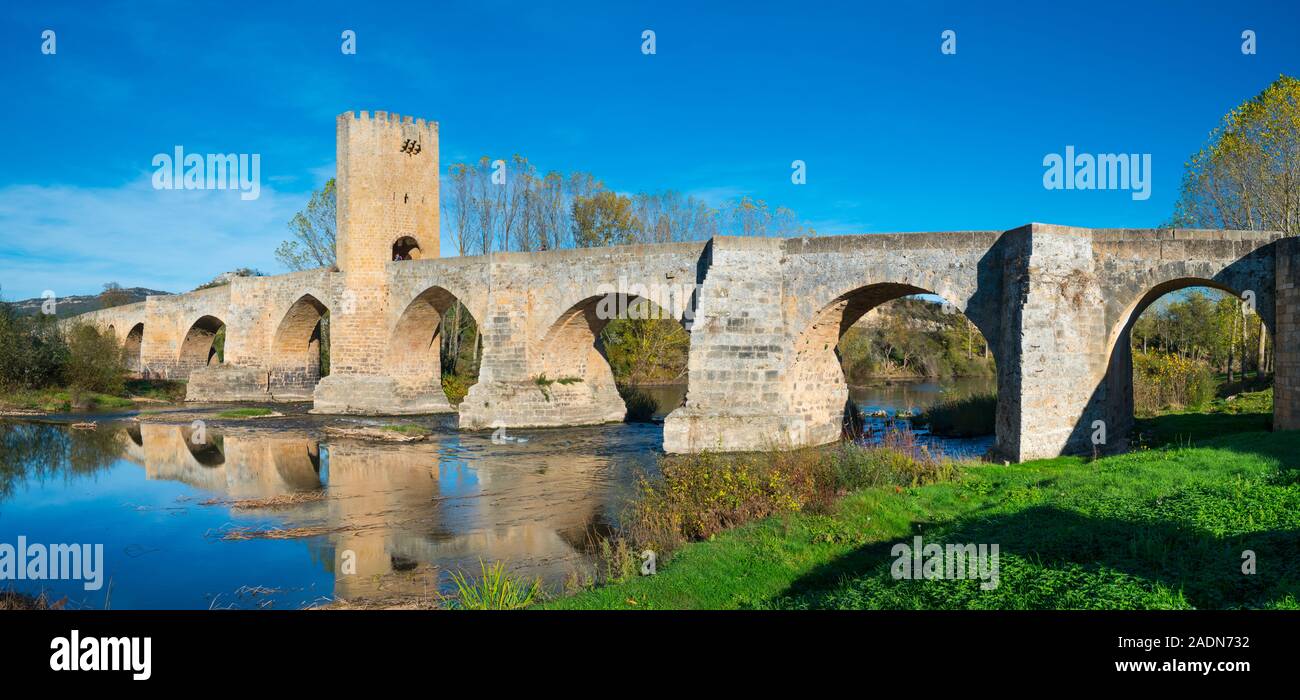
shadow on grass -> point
(1182, 428)
(1056, 558)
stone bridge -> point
(1055, 303)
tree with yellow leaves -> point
(1248, 175)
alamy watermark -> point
(77, 653)
(213, 171)
(54, 562)
(646, 301)
(951, 562)
(1103, 171)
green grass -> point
(159, 389)
(408, 429)
(245, 413)
(495, 589)
(59, 400)
(1246, 412)
(1155, 528)
(456, 387)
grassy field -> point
(1160, 527)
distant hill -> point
(73, 305)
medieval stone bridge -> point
(1055, 303)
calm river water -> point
(357, 521)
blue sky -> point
(896, 135)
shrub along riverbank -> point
(46, 367)
(1160, 527)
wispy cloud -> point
(74, 239)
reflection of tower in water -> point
(414, 510)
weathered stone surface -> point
(227, 383)
(1055, 303)
(1286, 385)
(373, 395)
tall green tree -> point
(313, 239)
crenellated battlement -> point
(390, 118)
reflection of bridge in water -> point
(402, 511)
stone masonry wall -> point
(1286, 391)
(387, 189)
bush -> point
(1162, 381)
(697, 496)
(456, 386)
(32, 351)
(495, 589)
(641, 406)
(95, 362)
(967, 416)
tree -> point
(646, 350)
(312, 244)
(94, 360)
(753, 217)
(1248, 175)
(113, 295)
(458, 206)
(603, 218)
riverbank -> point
(1161, 527)
(61, 400)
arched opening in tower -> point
(406, 248)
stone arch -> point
(818, 387)
(414, 357)
(198, 349)
(207, 448)
(1116, 391)
(406, 248)
(298, 464)
(295, 366)
(1124, 325)
(573, 359)
(132, 346)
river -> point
(272, 514)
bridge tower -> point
(387, 190)
(387, 212)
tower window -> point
(406, 248)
